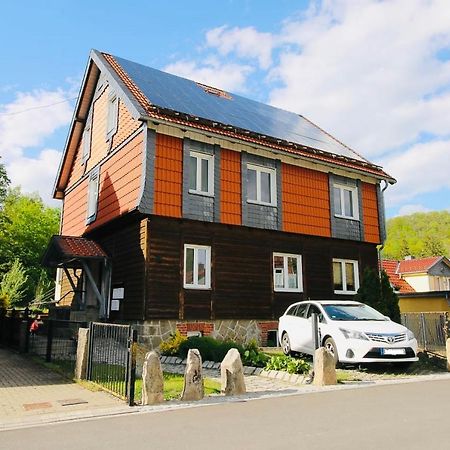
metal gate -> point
(111, 359)
(430, 329)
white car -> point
(351, 331)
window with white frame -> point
(345, 201)
(345, 276)
(201, 173)
(287, 272)
(86, 143)
(197, 266)
(261, 185)
(93, 195)
(113, 111)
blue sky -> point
(374, 74)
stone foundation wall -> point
(152, 332)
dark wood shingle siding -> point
(241, 275)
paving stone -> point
(248, 370)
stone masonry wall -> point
(152, 332)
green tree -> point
(4, 183)
(418, 235)
(26, 226)
(12, 286)
(378, 294)
(390, 298)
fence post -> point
(446, 326)
(90, 347)
(48, 354)
(424, 331)
(131, 366)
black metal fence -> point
(430, 329)
(111, 360)
(56, 342)
(14, 326)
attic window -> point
(214, 91)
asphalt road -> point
(399, 416)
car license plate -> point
(393, 351)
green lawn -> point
(173, 387)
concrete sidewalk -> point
(31, 393)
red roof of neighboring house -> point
(399, 284)
(417, 265)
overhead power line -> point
(37, 107)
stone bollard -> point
(152, 380)
(193, 388)
(324, 368)
(447, 348)
(82, 354)
(232, 374)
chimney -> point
(409, 257)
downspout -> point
(380, 249)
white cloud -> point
(226, 76)
(408, 209)
(24, 123)
(244, 42)
(36, 174)
(367, 71)
(422, 169)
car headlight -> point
(410, 335)
(352, 334)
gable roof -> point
(418, 265)
(151, 94)
(399, 284)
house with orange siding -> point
(187, 207)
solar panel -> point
(185, 96)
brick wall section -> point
(265, 327)
(206, 328)
(306, 201)
(370, 213)
(100, 147)
(120, 180)
(74, 210)
(168, 176)
(230, 187)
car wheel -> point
(330, 346)
(286, 344)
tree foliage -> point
(418, 235)
(4, 183)
(378, 294)
(12, 286)
(26, 226)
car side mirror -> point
(388, 318)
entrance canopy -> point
(69, 251)
(74, 252)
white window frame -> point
(273, 184)
(92, 199)
(112, 116)
(195, 284)
(86, 142)
(344, 276)
(354, 194)
(285, 257)
(198, 181)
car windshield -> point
(352, 312)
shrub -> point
(288, 364)
(253, 356)
(210, 349)
(171, 347)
